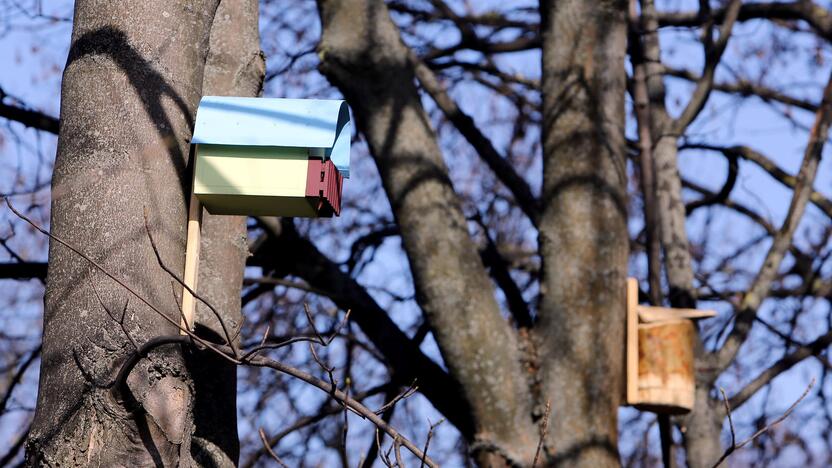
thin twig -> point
(266, 334)
(269, 449)
(328, 369)
(228, 339)
(427, 441)
(544, 426)
(405, 394)
(121, 283)
(190, 338)
(735, 446)
(315, 338)
(119, 321)
(398, 452)
(730, 419)
(357, 407)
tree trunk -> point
(703, 427)
(130, 88)
(235, 67)
(583, 228)
(362, 54)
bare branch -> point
(18, 376)
(744, 88)
(403, 355)
(228, 340)
(713, 55)
(815, 15)
(765, 163)
(28, 117)
(734, 446)
(354, 405)
(782, 240)
(815, 348)
(407, 393)
(269, 449)
(309, 420)
(544, 426)
(427, 441)
(24, 270)
(121, 283)
(503, 169)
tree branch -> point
(647, 169)
(301, 257)
(749, 154)
(502, 168)
(801, 10)
(30, 118)
(783, 239)
(735, 446)
(25, 270)
(744, 88)
(713, 55)
(815, 348)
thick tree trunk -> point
(362, 54)
(583, 228)
(703, 427)
(131, 85)
(235, 67)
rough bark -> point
(583, 234)
(130, 88)
(641, 109)
(362, 54)
(235, 67)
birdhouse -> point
(280, 157)
(660, 355)
(259, 157)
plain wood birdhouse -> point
(660, 355)
(280, 157)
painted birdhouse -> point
(660, 355)
(281, 157)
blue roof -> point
(322, 124)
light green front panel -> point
(252, 180)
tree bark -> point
(362, 54)
(131, 84)
(583, 230)
(702, 425)
(235, 67)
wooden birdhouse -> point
(258, 157)
(280, 157)
(660, 355)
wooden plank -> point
(649, 314)
(632, 341)
(191, 262)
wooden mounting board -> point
(632, 341)
(191, 263)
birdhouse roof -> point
(320, 124)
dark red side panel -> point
(323, 187)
